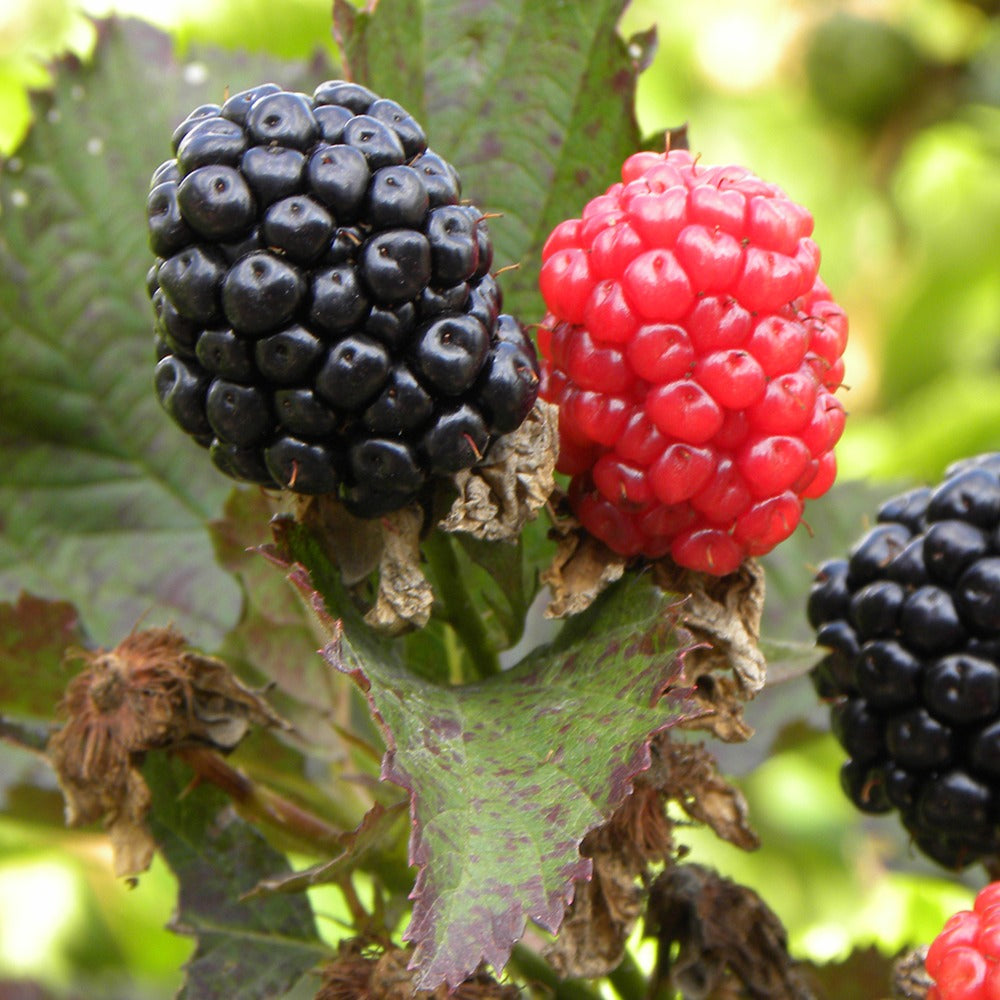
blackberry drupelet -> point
(325, 317)
(911, 620)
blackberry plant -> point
(518, 713)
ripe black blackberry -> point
(912, 623)
(325, 317)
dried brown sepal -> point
(729, 943)
(496, 499)
(605, 909)
(687, 773)
(581, 568)
(724, 614)
(360, 973)
(910, 980)
(404, 596)
(151, 692)
(719, 696)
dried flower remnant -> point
(151, 692)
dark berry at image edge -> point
(324, 316)
(911, 620)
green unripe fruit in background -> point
(861, 70)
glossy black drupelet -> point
(911, 620)
(325, 317)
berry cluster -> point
(325, 316)
(964, 960)
(693, 353)
(912, 622)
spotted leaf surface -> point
(506, 776)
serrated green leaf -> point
(251, 948)
(103, 499)
(506, 776)
(533, 139)
(34, 637)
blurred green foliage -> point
(888, 128)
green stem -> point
(460, 612)
(533, 968)
(628, 980)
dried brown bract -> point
(368, 974)
(605, 910)
(404, 595)
(582, 567)
(148, 693)
(724, 613)
(686, 773)
(910, 979)
(497, 498)
(729, 943)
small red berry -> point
(693, 352)
(964, 959)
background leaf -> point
(275, 640)
(533, 136)
(254, 949)
(104, 500)
(34, 637)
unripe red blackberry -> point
(325, 317)
(693, 353)
(911, 619)
(964, 959)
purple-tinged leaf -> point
(507, 776)
(34, 636)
